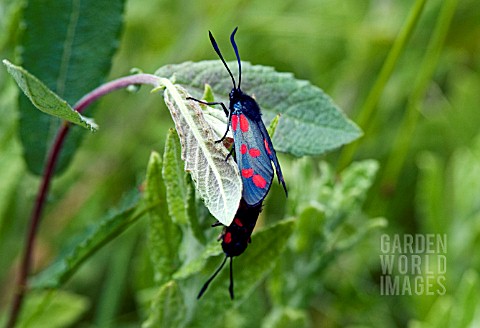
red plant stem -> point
(53, 155)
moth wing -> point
(253, 161)
(272, 154)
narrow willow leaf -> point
(217, 180)
(164, 235)
(45, 99)
(310, 123)
(177, 188)
(168, 308)
(68, 45)
(88, 243)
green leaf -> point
(343, 200)
(12, 171)
(177, 188)
(458, 310)
(208, 93)
(348, 196)
(465, 309)
(329, 222)
(310, 122)
(439, 314)
(295, 278)
(51, 309)
(198, 214)
(310, 222)
(285, 317)
(272, 127)
(46, 100)
(361, 233)
(463, 166)
(68, 45)
(193, 267)
(431, 199)
(88, 243)
(217, 180)
(164, 235)
(168, 308)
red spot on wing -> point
(254, 152)
(243, 149)
(238, 222)
(247, 173)
(243, 123)
(234, 122)
(259, 181)
(267, 147)
(227, 238)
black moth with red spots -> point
(235, 239)
(253, 148)
(254, 154)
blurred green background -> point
(425, 137)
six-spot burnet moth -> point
(253, 148)
(254, 154)
(235, 239)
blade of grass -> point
(367, 111)
(426, 70)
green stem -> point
(367, 111)
(52, 159)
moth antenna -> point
(230, 288)
(205, 286)
(232, 40)
(217, 50)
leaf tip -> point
(208, 95)
(154, 157)
(8, 64)
(90, 124)
(157, 89)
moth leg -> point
(228, 123)
(225, 110)
(230, 153)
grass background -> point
(423, 131)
